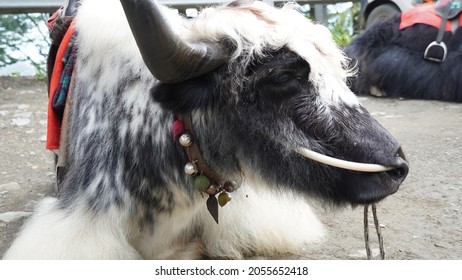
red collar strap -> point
(205, 180)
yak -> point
(413, 55)
(169, 117)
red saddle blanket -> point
(424, 14)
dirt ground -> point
(422, 221)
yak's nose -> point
(400, 167)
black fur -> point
(277, 105)
(391, 60)
(246, 116)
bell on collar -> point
(191, 168)
(186, 140)
(224, 198)
(230, 186)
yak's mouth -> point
(364, 183)
(396, 173)
(340, 163)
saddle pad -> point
(424, 14)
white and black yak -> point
(250, 90)
(403, 56)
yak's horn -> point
(169, 58)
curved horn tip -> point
(169, 58)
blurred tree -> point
(24, 37)
(342, 19)
(342, 23)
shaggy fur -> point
(125, 194)
(391, 63)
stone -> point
(8, 187)
(20, 121)
(23, 106)
(9, 217)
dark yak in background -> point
(390, 55)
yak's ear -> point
(186, 96)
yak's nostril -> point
(398, 174)
(401, 168)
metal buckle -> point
(435, 44)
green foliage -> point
(41, 73)
(23, 37)
(342, 23)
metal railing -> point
(319, 11)
(49, 6)
(29, 6)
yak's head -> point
(263, 86)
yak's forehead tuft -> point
(255, 27)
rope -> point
(378, 230)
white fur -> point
(52, 233)
(281, 27)
(262, 223)
(257, 222)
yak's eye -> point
(288, 76)
(282, 78)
